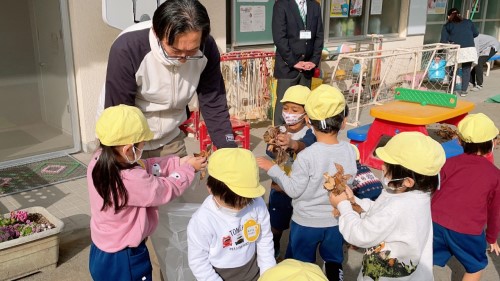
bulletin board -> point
(251, 22)
(417, 17)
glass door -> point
(38, 117)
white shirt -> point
(305, 5)
(216, 239)
(398, 227)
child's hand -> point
(335, 200)
(495, 248)
(198, 163)
(284, 140)
(264, 163)
(185, 159)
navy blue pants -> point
(305, 240)
(127, 264)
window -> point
(353, 18)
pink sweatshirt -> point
(112, 232)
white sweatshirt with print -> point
(397, 232)
(216, 239)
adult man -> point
(158, 66)
(298, 35)
(486, 47)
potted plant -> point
(29, 242)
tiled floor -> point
(69, 201)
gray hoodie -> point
(311, 206)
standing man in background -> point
(297, 28)
(159, 66)
(486, 46)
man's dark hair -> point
(454, 15)
(175, 17)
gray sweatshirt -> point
(484, 43)
(311, 206)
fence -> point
(368, 78)
(247, 81)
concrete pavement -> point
(69, 202)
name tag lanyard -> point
(305, 34)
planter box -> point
(33, 253)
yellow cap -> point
(414, 151)
(237, 168)
(121, 125)
(325, 101)
(340, 74)
(477, 128)
(296, 94)
(355, 150)
(294, 270)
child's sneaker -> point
(463, 93)
(477, 88)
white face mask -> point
(225, 210)
(385, 182)
(136, 156)
(292, 118)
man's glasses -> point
(195, 57)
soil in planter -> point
(39, 218)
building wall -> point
(92, 38)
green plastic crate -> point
(426, 97)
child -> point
(396, 228)
(280, 204)
(229, 236)
(124, 194)
(312, 224)
(294, 270)
(365, 184)
(469, 200)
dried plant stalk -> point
(446, 132)
(338, 184)
(204, 153)
(270, 137)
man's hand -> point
(199, 163)
(309, 65)
(299, 66)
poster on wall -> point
(436, 7)
(475, 4)
(356, 8)
(376, 7)
(252, 18)
(339, 9)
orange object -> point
(399, 116)
(241, 132)
(417, 114)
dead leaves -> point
(206, 154)
(446, 132)
(337, 184)
(270, 137)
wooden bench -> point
(490, 63)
